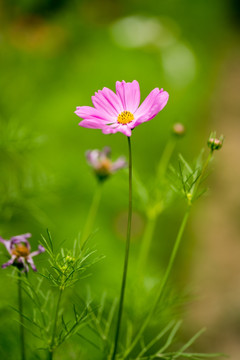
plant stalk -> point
(125, 268)
(165, 158)
(204, 168)
(146, 243)
(20, 308)
(163, 283)
(50, 357)
(151, 220)
(92, 212)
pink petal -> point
(129, 93)
(7, 244)
(10, 262)
(20, 239)
(120, 163)
(93, 124)
(31, 262)
(40, 250)
(151, 106)
(109, 130)
(106, 101)
(93, 157)
(125, 129)
(88, 112)
(106, 152)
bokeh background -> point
(54, 56)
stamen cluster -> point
(125, 117)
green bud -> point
(215, 143)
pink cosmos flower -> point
(121, 111)
(102, 164)
(19, 249)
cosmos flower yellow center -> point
(104, 167)
(20, 250)
(125, 117)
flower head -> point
(19, 249)
(102, 164)
(121, 111)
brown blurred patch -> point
(120, 225)
(32, 34)
(216, 269)
(101, 12)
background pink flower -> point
(101, 162)
(121, 111)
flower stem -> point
(20, 308)
(55, 325)
(126, 253)
(92, 212)
(204, 168)
(153, 215)
(163, 283)
(165, 158)
(146, 243)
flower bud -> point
(215, 143)
(178, 129)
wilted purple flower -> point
(19, 249)
(102, 164)
(121, 111)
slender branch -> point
(146, 243)
(92, 212)
(55, 325)
(204, 168)
(20, 308)
(152, 217)
(165, 158)
(163, 283)
(126, 253)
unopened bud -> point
(178, 129)
(189, 198)
(215, 143)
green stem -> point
(202, 173)
(146, 243)
(55, 325)
(20, 308)
(126, 254)
(163, 283)
(92, 212)
(151, 220)
(165, 158)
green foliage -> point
(21, 179)
(48, 321)
(41, 322)
(163, 351)
(67, 266)
(187, 180)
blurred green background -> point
(54, 56)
